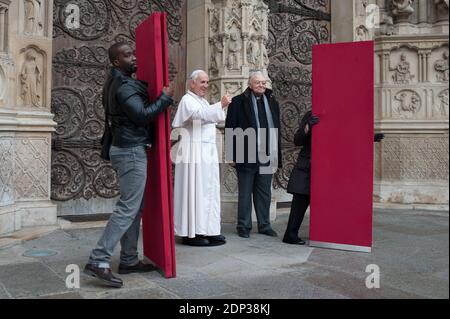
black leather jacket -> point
(130, 111)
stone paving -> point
(411, 249)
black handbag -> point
(106, 140)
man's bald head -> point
(114, 51)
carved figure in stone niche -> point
(233, 88)
(216, 55)
(402, 8)
(253, 52)
(264, 53)
(443, 106)
(33, 22)
(30, 79)
(441, 67)
(402, 73)
(362, 34)
(234, 51)
(214, 93)
(442, 5)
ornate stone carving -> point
(113, 20)
(402, 73)
(229, 177)
(402, 9)
(415, 158)
(80, 67)
(233, 88)
(253, 53)
(214, 93)
(408, 103)
(441, 67)
(32, 167)
(6, 171)
(441, 104)
(442, 9)
(362, 34)
(33, 17)
(31, 78)
(81, 173)
(216, 55)
(234, 52)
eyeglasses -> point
(260, 82)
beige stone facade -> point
(411, 94)
(25, 119)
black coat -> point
(240, 114)
(130, 111)
(300, 179)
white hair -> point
(253, 75)
(195, 74)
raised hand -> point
(169, 90)
(226, 100)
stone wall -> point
(411, 94)
(25, 119)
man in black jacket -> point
(130, 114)
(253, 145)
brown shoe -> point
(103, 274)
(140, 267)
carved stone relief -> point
(6, 171)
(34, 13)
(31, 77)
(32, 168)
(407, 104)
(442, 7)
(402, 71)
(415, 158)
(441, 68)
(362, 34)
(441, 105)
(402, 9)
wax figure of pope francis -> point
(197, 180)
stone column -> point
(234, 31)
(3, 10)
(26, 123)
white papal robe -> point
(197, 177)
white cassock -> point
(197, 177)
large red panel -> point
(158, 231)
(342, 146)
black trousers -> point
(299, 206)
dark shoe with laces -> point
(140, 267)
(299, 241)
(105, 275)
(269, 232)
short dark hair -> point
(113, 51)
